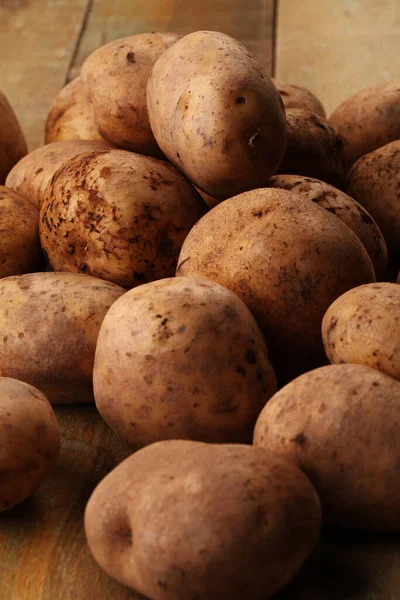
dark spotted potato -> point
(296, 96)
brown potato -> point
(181, 358)
(287, 259)
(183, 519)
(31, 175)
(313, 148)
(115, 77)
(124, 218)
(49, 324)
(346, 209)
(12, 141)
(30, 440)
(341, 425)
(296, 96)
(216, 114)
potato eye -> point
(240, 100)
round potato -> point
(181, 358)
(216, 115)
(296, 96)
(346, 209)
(287, 259)
(12, 141)
(30, 440)
(341, 425)
(313, 148)
(124, 217)
(115, 77)
(31, 175)
(183, 519)
(368, 120)
(49, 325)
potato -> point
(181, 358)
(341, 425)
(368, 120)
(313, 148)
(183, 519)
(19, 242)
(31, 175)
(374, 182)
(346, 209)
(115, 77)
(49, 325)
(12, 141)
(30, 440)
(296, 96)
(123, 218)
(287, 259)
(216, 115)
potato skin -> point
(331, 422)
(296, 96)
(216, 115)
(30, 440)
(124, 218)
(181, 358)
(115, 76)
(12, 140)
(49, 325)
(346, 209)
(183, 519)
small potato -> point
(188, 520)
(49, 324)
(30, 440)
(313, 148)
(346, 209)
(341, 425)
(31, 175)
(181, 358)
(12, 141)
(124, 217)
(296, 96)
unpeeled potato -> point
(12, 141)
(296, 96)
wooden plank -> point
(337, 47)
(37, 42)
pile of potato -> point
(204, 336)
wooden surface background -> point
(334, 47)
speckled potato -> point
(341, 426)
(313, 148)
(287, 259)
(123, 218)
(296, 96)
(183, 519)
(346, 209)
(31, 175)
(181, 358)
(115, 77)
(216, 114)
(30, 440)
(374, 181)
(49, 324)
(368, 120)
(12, 141)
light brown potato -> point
(115, 77)
(374, 182)
(182, 519)
(124, 218)
(296, 96)
(216, 115)
(287, 259)
(12, 141)
(181, 358)
(313, 148)
(368, 120)
(346, 209)
(341, 425)
(31, 175)
(30, 440)
(49, 324)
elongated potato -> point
(216, 115)
(296, 96)
(12, 141)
